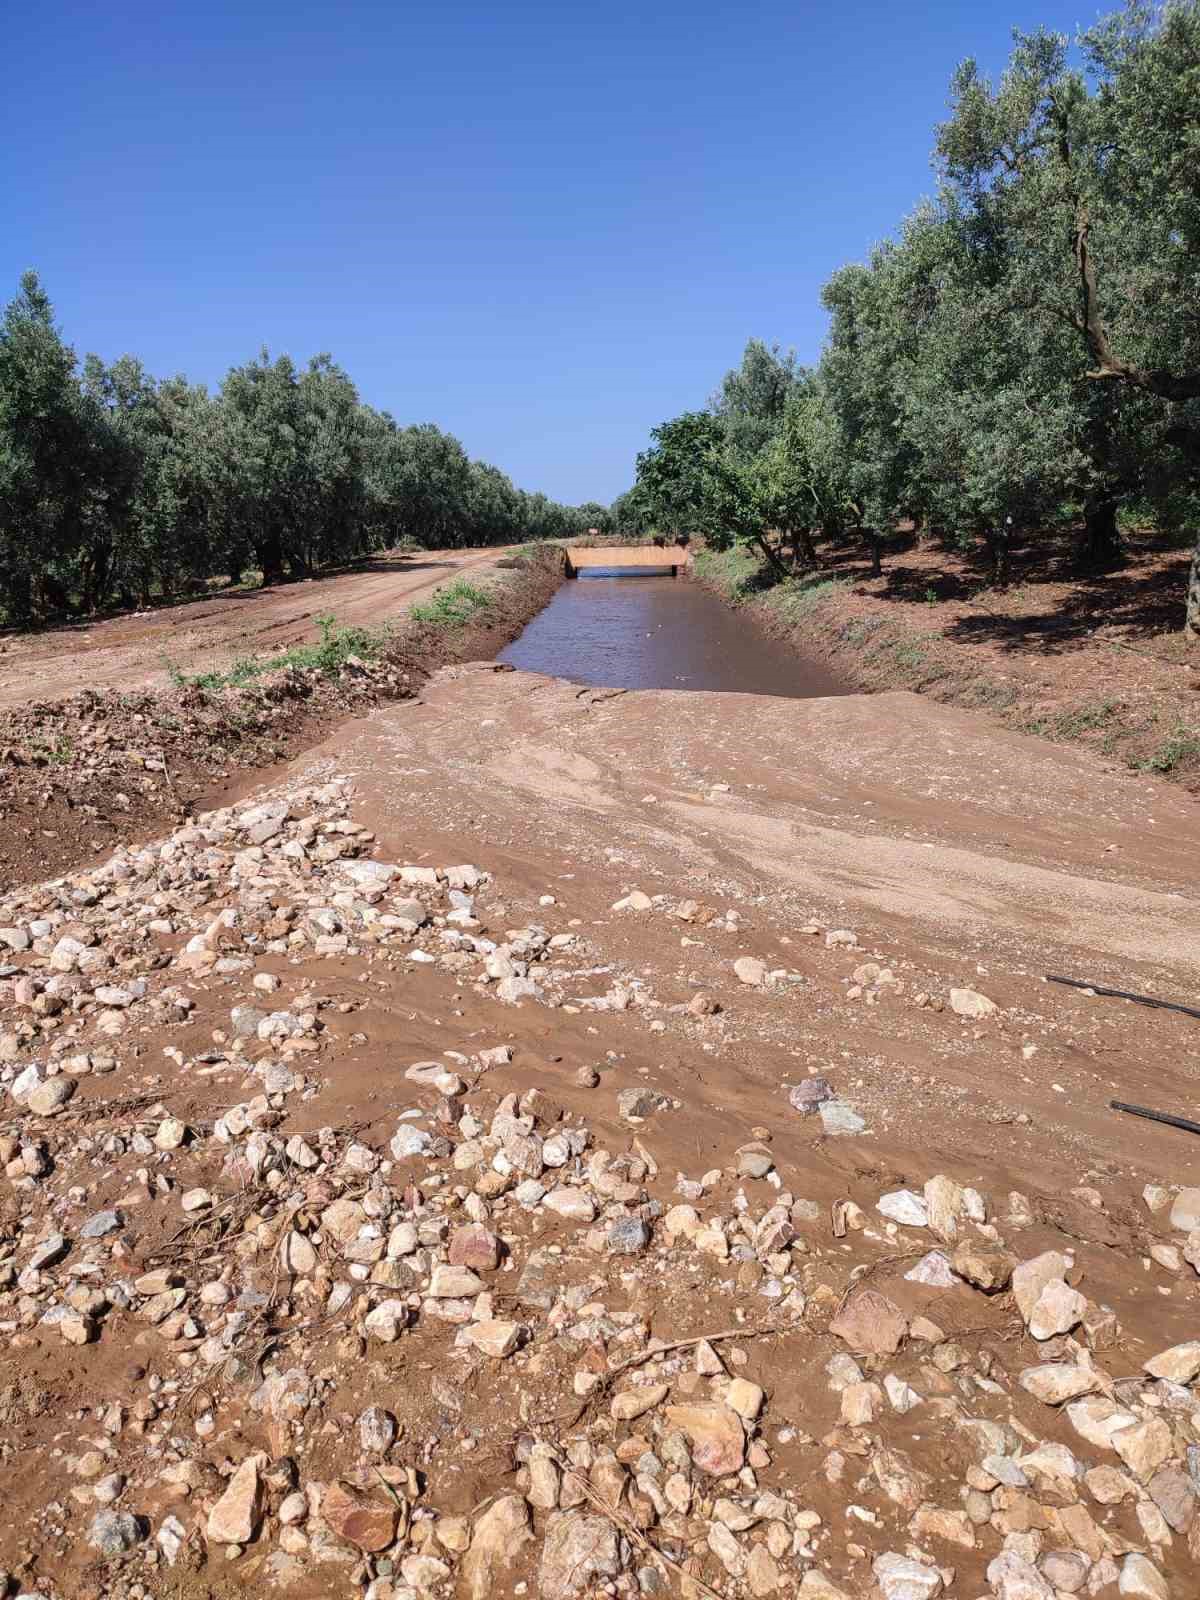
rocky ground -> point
(554, 1142)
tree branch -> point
(1110, 367)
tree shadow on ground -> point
(1048, 603)
(1139, 600)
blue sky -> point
(545, 227)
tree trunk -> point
(1191, 624)
(1100, 547)
(996, 540)
(55, 597)
(18, 597)
(269, 550)
(804, 551)
(876, 544)
(773, 561)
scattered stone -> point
(808, 1097)
(639, 1102)
(715, 1433)
(870, 1324)
(1185, 1211)
(905, 1207)
(1180, 1364)
(1056, 1382)
(933, 1270)
(1142, 1579)
(839, 1118)
(988, 1268)
(970, 1003)
(579, 1550)
(1031, 1277)
(1057, 1309)
(236, 1516)
(497, 1538)
(628, 1236)
(48, 1099)
(634, 1403)
(113, 1533)
(377, 1430)
(495, 1338)
(902, 1578)
(750, 970)
(368, 1523)
(1012, 1577)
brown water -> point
(659, 633)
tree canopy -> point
(119, 488)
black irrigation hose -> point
(1156, 1116)
(1123, 994)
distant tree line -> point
(117, 488)
(1023, 357)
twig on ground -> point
(167, 775)
(633, 1533)
(756, 1332)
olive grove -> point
(1021, 357)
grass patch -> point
(798, 598)
(452, 606)
(1182, 745)
(735, 571)
(1078, 722)
(328, 656)
(56, 754)
(908, 655)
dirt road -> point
(137, 651)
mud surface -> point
(649, 632)
(876, 854)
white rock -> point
(934, 1271)
(905, 1206)
(902, 1578)
(1142, 1578)
(1057, 1381)
(1185, 1212)
(1057, 1309)
(1180, 1363)
(750, 970)
(970, 1003)
(1014, 1578)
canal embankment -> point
(1038, 660)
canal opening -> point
(625, 628)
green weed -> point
(328, 656)
(1076, 722)
(453, 605)
(1181, 746)
(800, 597)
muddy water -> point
(627, 632)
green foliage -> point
(1181, 747)
(116, 488)
(453, 605)
(333, 649)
